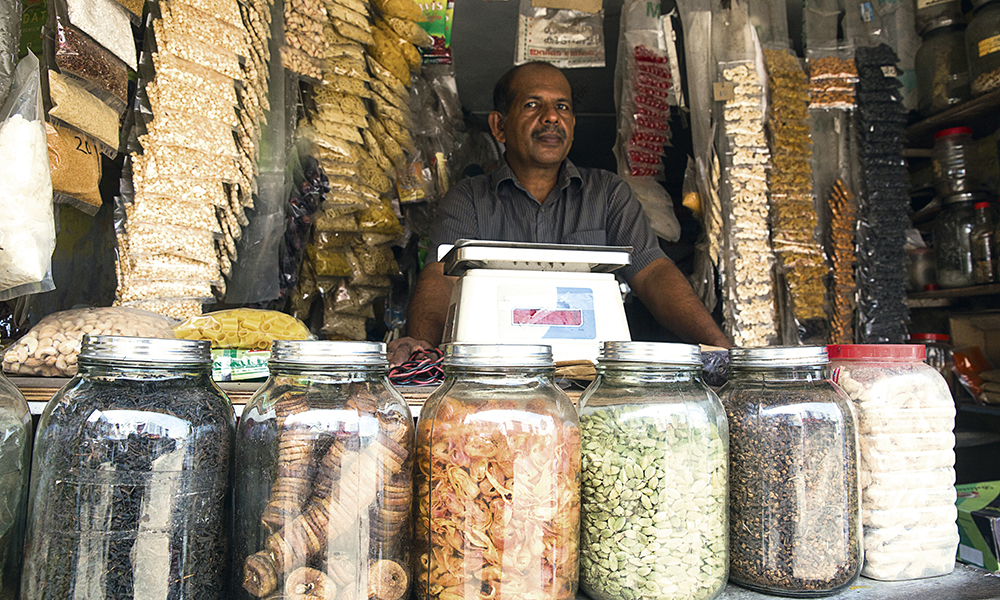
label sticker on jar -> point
(922, 4)
(989, 45)
(888, 71)
(867, 12)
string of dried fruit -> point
(794, 223)
(842, 225)
(748, 291)
(498, 506)
(336, 505)
(831, 82)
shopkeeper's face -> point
(538, 129)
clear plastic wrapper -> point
(197, 191)
(105, 74)
(177, 128)
(193, 100)
(329, 129)
(28, 228)
(185, 242)
(910, 518)
(51, 347)
(75, 168)
(355, 34)
(330, 263)
(339, 326)
(387, 94)
(179, 309)
(349, 16)
(403, 9)
(10, 29)
(168, 267)
(176, 70)
(409, 52)
(74, 106)
(245, 328)
(410, 31)
(132, 291)
(345, 300)
(164, 210)
(181, 17)
(387, 77)
(187, 47)
(376, 260)
(105, 21)
(385, 51)
(162, 160)
(380, 218)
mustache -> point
(550, 129)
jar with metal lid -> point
(982, 39)
(931, 10)
(906, 419)
(497, 479)
(982, 240)
(324, 463)
(942, 68)
(15, 460)
(953, 161)
(794, 510)
(937, 353)
(130, 480)
(952, 244)
(654, 485)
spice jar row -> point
(654, 488)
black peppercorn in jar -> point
(794, 510)
(130, 479)
(324, 463)
(942, 66)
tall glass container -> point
(954, 163)
(794, 510)
(130, 477)
(15, 460)
(942, 68)
(654, 487)
(906, 419)
(982, 242)
(952, 241)
(324, 463)
(983, 43)
(497, 479)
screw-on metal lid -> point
(650, 352)
(133, 350)
(781, 356)
(497, 355)
(963, 197)
(326, 354)
(939, 22)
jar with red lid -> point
(982, 242)
(906, 419)
(937, 347)
(953, 162)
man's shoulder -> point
(598, 181)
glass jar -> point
(982, 39)
(15, 460)
(952, 247)
(906, 419)
(130, 480)
(937, 353)
(324, 477)
(655, 455)
(497, 479)
(794, 510)
(942, 66)
(982, 240)
(953, 161)
(931, 10)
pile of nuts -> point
(51, 348)
(749, 294)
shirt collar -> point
(567, 173)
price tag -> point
(724, 91)
(889, 71)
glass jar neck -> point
(331, 373)
(496, 374)
(799, 373)
(984, 216)
(650, 373)
(89, 370)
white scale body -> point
(536, 294)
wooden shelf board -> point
(981, 113)
(962, 292)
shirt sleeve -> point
(627, 226)
(455, 219)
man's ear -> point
(496, 126)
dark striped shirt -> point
(587, 206)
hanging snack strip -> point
(843, 221)
(793, 216)
(831, 82)
(749, 294)
(202, 96)
(646, 96)
(883, 206)
(358, 123)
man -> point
(537, 195)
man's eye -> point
(564, 107)
(531, 105)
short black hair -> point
(503, 95)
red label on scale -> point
(548, 316)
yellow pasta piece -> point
(245, 328)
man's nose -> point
(550, 114)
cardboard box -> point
(979, 523)
(981, 329)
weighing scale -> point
(561, 295)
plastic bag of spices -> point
(27, 228)
(75, 168)
(100, 71)
(106, 21)
(74, 106)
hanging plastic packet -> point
(75, 166)
(28, 227)
(564, 38)
(440, 17)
